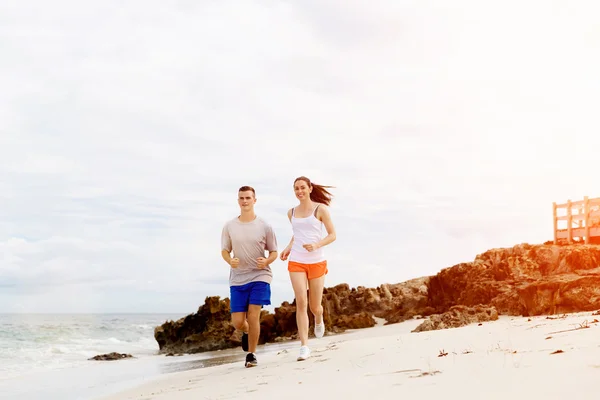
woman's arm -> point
(324, 216)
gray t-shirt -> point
(248, 240)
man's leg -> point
(239, 322)
(260, 295)
(239, 296)
(254, 326)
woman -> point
(307, 263)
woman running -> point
(307, 263)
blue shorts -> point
(257, 293)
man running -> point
(248, 236)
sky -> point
(126, 128)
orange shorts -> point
(312, 271)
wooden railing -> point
(586, 218)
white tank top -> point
(306, 230)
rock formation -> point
(344, 308)
(206, 330)
(110, 356)
(521, 280)
(458, 316)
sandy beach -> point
(513, 357)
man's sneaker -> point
(245, 341)
(251, 360)
(304, 353)
(320, 329)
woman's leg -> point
(300, 287)
(315, 289)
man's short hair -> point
(247, 188)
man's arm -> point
(272, 257)
(226, 256)
(233, 262)
(270, 246)
(226, 249)
(262, 262)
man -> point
(248, 236)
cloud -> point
(126, 129)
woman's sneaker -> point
(320, 329)
(304, 353)
(251, 360)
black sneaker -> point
(245, 341)
(251, 360)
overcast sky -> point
(126, 128)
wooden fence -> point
(586, 216)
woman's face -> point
(302, 189)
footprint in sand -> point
(402, 371)
(327, 348)
(426, 373)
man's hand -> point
(234, 262)
(311, 246)
(285, 254)
(262, 262)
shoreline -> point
(97, 379)
(513, 356)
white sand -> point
(505, 359)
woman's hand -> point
(284, 254)
(311, 246)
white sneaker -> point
(304, 353)
(320, 329)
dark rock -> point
(207, 330)
(523, 280)
(458, 316)
(110, 357)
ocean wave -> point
(30, 344)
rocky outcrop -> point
(521, 280)
(208, 329)
(343, 308)
(458, 316)
(110, 356)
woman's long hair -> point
(319, 193)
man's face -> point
(246, 200)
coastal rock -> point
(206, 330)
(458, 316)
(354, 308)
(521, 280)
(405, 301)
(110, 356)
(343, 308)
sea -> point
(45, 356)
